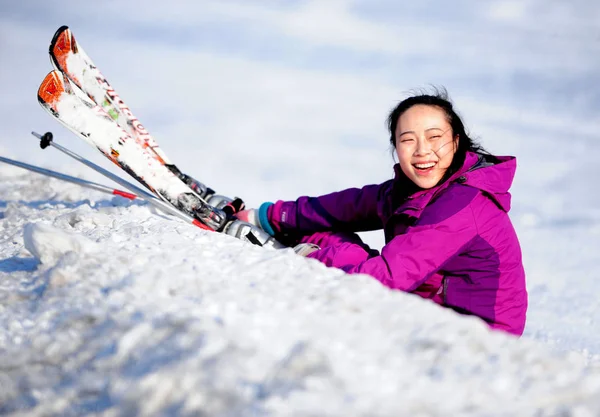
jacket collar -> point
(416, 202)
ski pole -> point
(47, 140)
(68, 178)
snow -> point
(48, 246)
(112, 307)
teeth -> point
(425, 166)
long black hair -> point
(440, 99)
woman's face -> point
(425, 144)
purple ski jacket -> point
(453, 243)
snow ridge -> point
(123, 311)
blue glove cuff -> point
(263, 219)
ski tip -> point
(51, 89)
(62, 44)
(57, 35)
(59, 31)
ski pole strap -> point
(263, 219)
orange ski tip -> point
(51, 88)
(62, 45)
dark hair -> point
(440, 99)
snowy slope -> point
(113, 308)
(109, 308)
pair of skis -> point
(81, 98)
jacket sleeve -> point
(409, 259)
(350, 210)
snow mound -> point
(168, 319)
(48, 243)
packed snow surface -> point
(110, 307)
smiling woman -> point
(444, 215)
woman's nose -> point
(423, 147)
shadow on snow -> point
(16, 264)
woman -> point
(444, 215)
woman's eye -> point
(405, 140)
(435, 137)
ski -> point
(81, 98)
(70, 58)
(91, 123)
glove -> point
(305, 249)
(257, 217)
